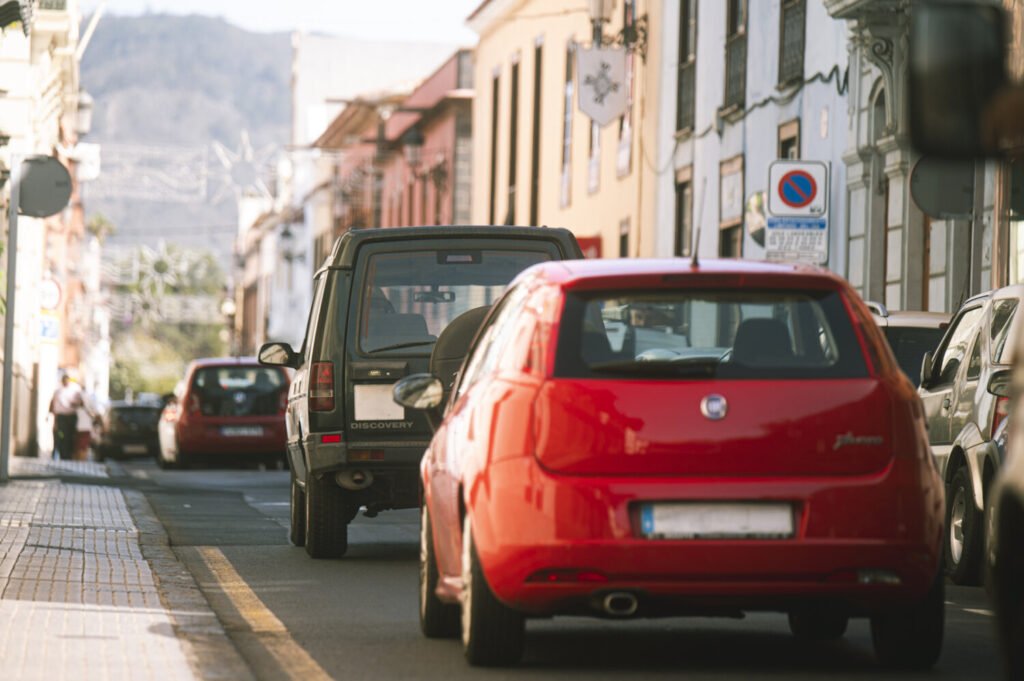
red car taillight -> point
(1002, 408)
(321, 390)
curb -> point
(209, 650)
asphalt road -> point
(356, 618)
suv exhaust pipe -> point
(354, 479)
(620, 604)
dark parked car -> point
(639, 438)
(379, 302)
(226, 409)
(910, 333)
(1004, 545)
(129, 429)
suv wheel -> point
(818, 623)
(492, 633)
(326, 519)
(297, 529)
(437, 619)
(911, 637)
(963, 531)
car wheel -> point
(818, 623)
(326, 519)
(492, 633)
(910, 637)
(297, 528)
(963, 545)
(437, 619)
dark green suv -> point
(379, 303)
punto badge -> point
(714, 407)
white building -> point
(742, 84)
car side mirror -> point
(926, 369)
(959, 102)
(277, 355)
(423, 392)
(1000, 383)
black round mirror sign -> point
(45, 187)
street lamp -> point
(412, 147)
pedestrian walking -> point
(64, 407)
(86, 417)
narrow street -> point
(292, 617)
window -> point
(720, 333)
(624, 157)
(1002, 317)
(494, 149)
(789, 140)
(513, 144)
(730, 208)
(684, 212)
(735, 53)
(956, 348)
(624, 238)
(484, 355)
(686, 77)
(791, 41)
(974, 365)
(535, 151)
(594, 162)
(567, 113)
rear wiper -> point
(657, 368)
(396, 346)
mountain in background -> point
(166, 88)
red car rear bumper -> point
(527, 521)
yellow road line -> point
(271, 632)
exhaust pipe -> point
(354, 480)
(620, 604)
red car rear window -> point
(701, 333)
(238, 390)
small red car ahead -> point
(633, 438)
(225, 409)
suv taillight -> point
(1002, 408)
(321, 389)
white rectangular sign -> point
(796, 240)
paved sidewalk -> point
(89, 588)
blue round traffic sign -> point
(797, 189)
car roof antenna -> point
(700, 213)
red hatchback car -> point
(634, 438)
(229, 408)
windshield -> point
(708, 334)
(408, 298)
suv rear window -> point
(725, 333)
(140, 416)
(238, 390)
(408, 298)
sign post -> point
(796, 228)
(47, 188)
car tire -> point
(437, 618)
(818, 623)
(910, 637)
(964, 528)
(297, 526)
(326, 519)
(492, 633)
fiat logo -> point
(714, 407)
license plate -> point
(374, 402)
(134, 449)
(717, 520)
(242, 431)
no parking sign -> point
(796, 228)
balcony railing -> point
(735, 70)
(685, 99)
(58, 5)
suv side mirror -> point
(1000, 383)
(277, 355)
(960, 105)
(926, 369)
